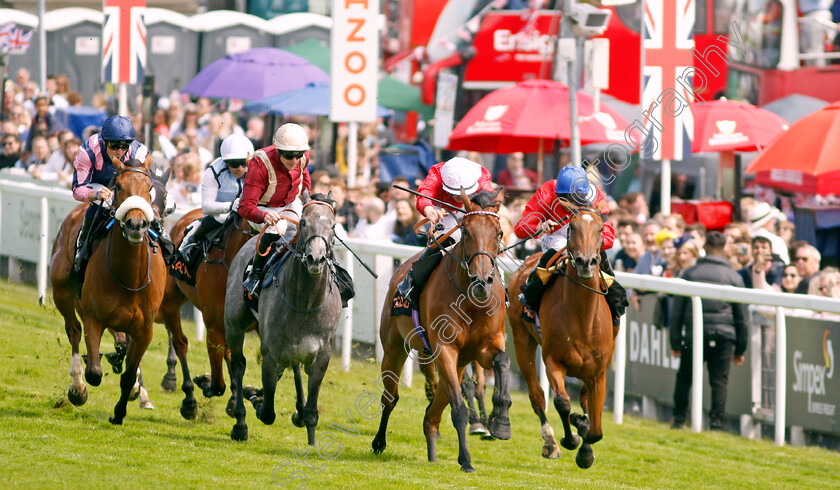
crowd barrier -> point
(30, 215)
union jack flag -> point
(5, 32)
(18, 40)
(123, 41)
(667, 43)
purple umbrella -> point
(255, 74)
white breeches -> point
(450, 221)
(554, 241)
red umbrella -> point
(811, 148)
(529, 116)
(730, 125)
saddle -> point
(98, 229)
(187, 260)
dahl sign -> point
(355, 60)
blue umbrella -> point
(313, 99)
(255, 74)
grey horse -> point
(297, 318)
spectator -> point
(762, 218)
(807, 262)
(651, 256)
(516, 176)
(742, 253)
(627, 258)
(766, 267)
(60, 165)
(161, 123)
(407, 217)
(27, 97)
(39, 156)
(345, 209)
(74, 99)
(827, 284)
(698, 235)
(373, 225)
(675, 223)
(667, 267)
(255, 131)
(787, 231)
(724, 333)
(12, 147)
(43, 123)
(637, 206)
(790, 279)
(687, 255)
(321, 182)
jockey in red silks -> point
(544, 213)
(276, 177)
(444, 183)
(94, 172)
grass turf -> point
(46, 442)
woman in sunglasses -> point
(276, 178)
(221, 188)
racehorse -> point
(208, 295)
(463, 310)
(296, 321)
(126, 275)
(576, 335)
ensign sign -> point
(507, 40)
(355, 60)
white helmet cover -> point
(460, 173)
(291, 137)
(236, 147)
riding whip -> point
(374, 274)
(442, 203)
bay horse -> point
(576, 335)
(462, 309)
(297, 318)
(124, 282)
(208, 295)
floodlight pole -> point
(571, 67)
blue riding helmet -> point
(118, 128)
(572, 180)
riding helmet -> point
(118, 128)
(291, 137)
(236, 147)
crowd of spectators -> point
(187, 134)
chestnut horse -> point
(576, 335)
(462, 309)
(124, 282)
(208, 295)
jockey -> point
(221, 187)
(94, 172)
(444, 183)
(276, 178)
(544, 214)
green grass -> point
(46, 442)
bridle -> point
(571, 253)
(465, 261)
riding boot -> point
(189, 246)
(255, 270)
(616, 294)
(533, 289)
(412, 284)
(166, 246)
(82, 246)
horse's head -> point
(585, 240)
(132, 186)
(316, 231)
(481, 238)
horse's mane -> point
(133, 163)
(485, 199)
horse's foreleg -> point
(216, 352)
(393, 361)
(589, 424)
(499, 419)
(468, 392)
(562, 402)
(450, 377)
(170, 379)
(93, 336)
(300, 397)
(137, 345)
(235, 342)
(480, 384)
(428, 370)
(179, 344)
(117, 357)
(145, 402)
(316, 372)
(526, 356)
(265, 407)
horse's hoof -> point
(551, 451)
(467, 469)
(147, 404)
(135, 393)
(115, 421)
(500, 429)
(297, 420)
(116, 361)
(577, 420)
(267, 418)
(231, 405)
(478, 429)
(93, 379)
(378, 446)
(217, 390)
(239, 432)
(169, 382)
(584, 459)
(77, 399)
(570, 443)
(189, 408)
(250, 392)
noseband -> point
(300, 250)
(466, 261)
(571, 254)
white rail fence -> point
(30, 215)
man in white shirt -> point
(762, 219)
